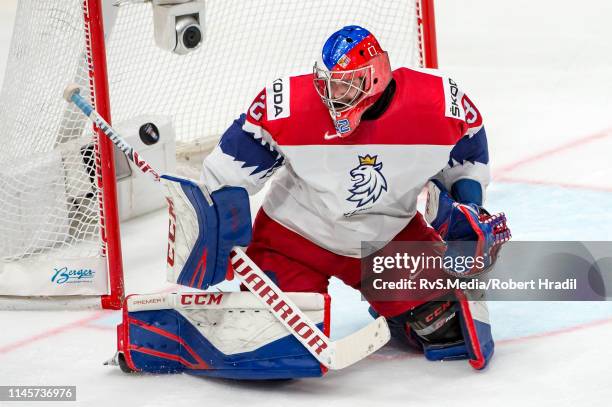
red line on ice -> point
(99, 327)
(555, 150)
(81, 323)
(547, 334)
(556, 332)
(53, 331)
(518, 180)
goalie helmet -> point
(354, 72)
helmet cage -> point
(357, 81)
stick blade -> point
(360, 344)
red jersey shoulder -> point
(420, 90)
(432, 89)
(272, 102)
(284, 97)
(270, 106)
(289, 108)
(458, 104)
(472, 115)
(257, 109)
(305, 101)
(436, 89)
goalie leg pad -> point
(474, 318)
(203, 230)
(455, 326)
(227, 335)
(235, 226)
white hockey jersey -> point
(338, 192)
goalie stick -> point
(332, 354)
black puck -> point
(149, 133)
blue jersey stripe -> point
(244, 147)
(473, 149)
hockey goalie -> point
(347, 149)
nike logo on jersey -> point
(328, 136)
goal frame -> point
(107, 184)
(427, 33)
(96, 58)
(94, 28)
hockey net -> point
(54, 235)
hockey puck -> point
(149, 133)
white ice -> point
(541, 73)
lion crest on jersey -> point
(368, 181)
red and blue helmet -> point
(354, 71)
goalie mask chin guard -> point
(353, 73)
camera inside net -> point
(188, 34)
(178, 24)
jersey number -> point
(343, 126)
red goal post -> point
(109, 214)
(428, 39)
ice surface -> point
(540, 74)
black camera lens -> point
(192, 37)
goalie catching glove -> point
(468, 229)
(203, 229)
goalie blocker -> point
(227, 335)
(203, 228)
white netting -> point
(48, 197)
(247, 43)
(48, 194)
